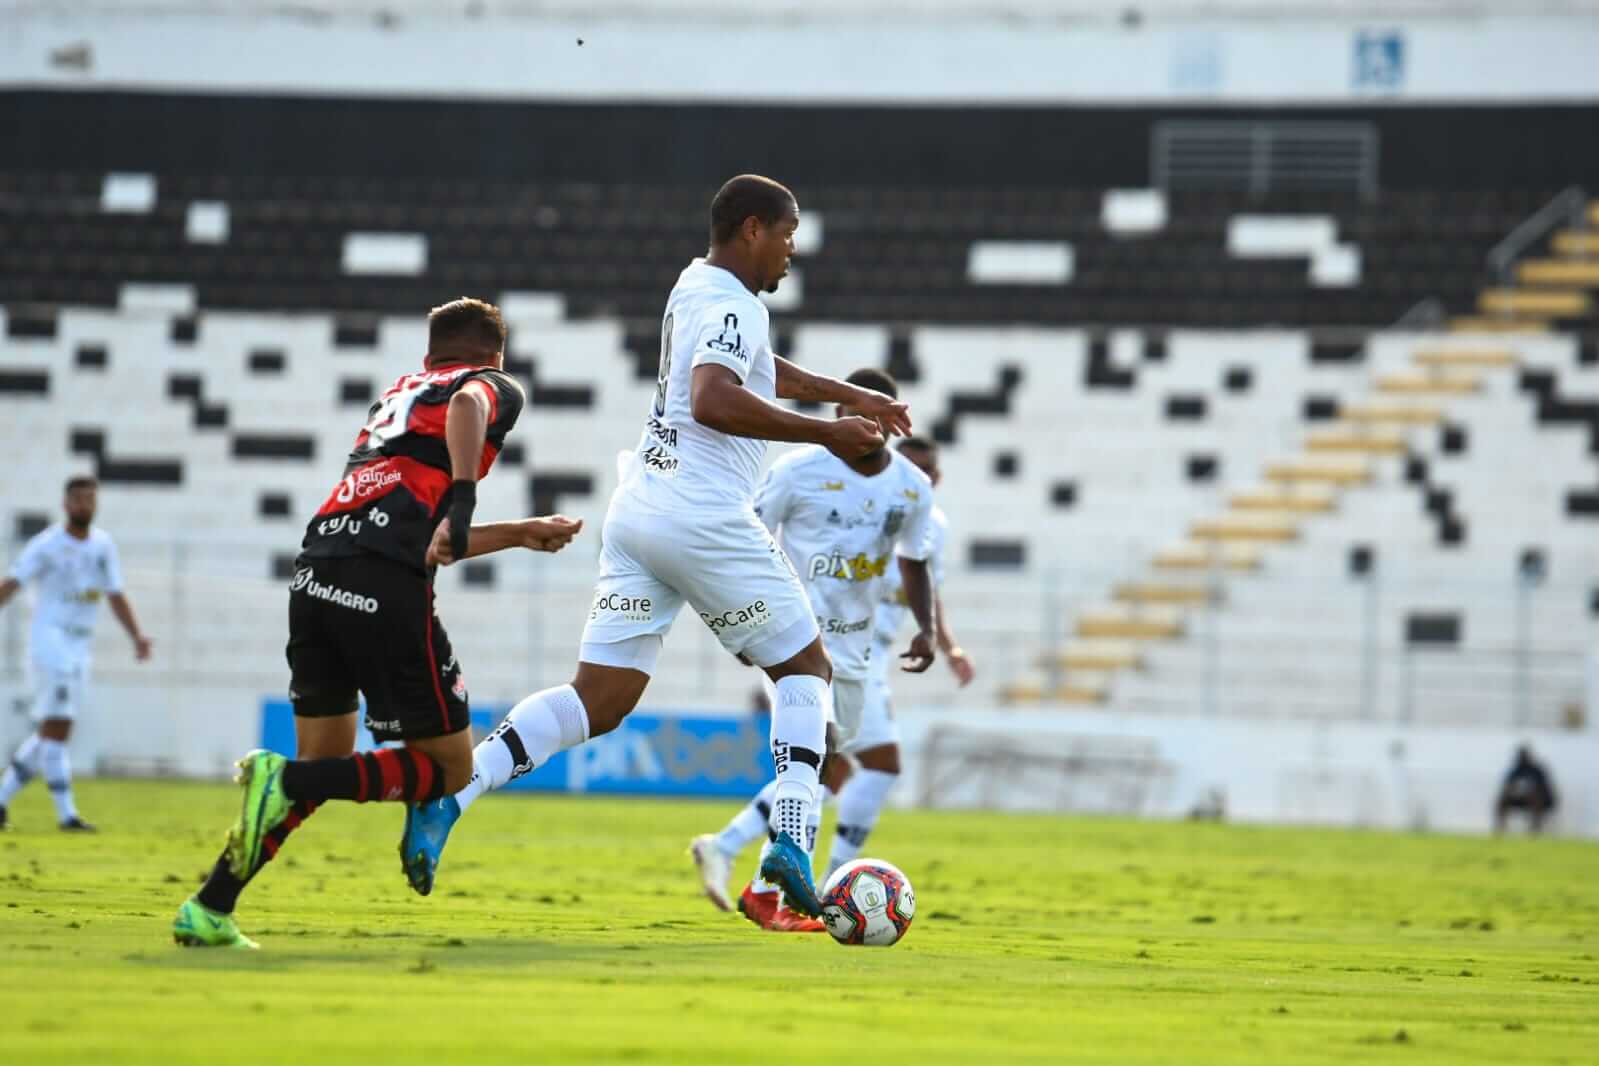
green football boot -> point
(198, 926)
(265, 805)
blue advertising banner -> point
(653, 753)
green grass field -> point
(572, 930)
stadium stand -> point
(888, 253)
(1171, 419)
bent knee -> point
(812, 661)
(884, 760)
(608, 694)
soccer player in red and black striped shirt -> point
(361, 617)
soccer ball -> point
(869, 902)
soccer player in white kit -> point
(862, 788)
(71, 566)
(681, 528)
(845, 526)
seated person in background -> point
(1527, 788)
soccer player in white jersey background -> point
(71, 566)
(862, 780)
(862, 788)
(681, 529)
(844, 526)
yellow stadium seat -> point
(1557, 303)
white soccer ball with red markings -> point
(869, 902)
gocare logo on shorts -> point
(305, 582)
(632, 608)
(754, 615)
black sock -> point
(221, 890)
(386, 774)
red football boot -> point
(766, 910)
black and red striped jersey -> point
(396, 484)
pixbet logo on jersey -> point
(632, 608)
(841, 567)
(753, 615)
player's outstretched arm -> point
(550, 533)
(796, 383)
(8, 589)
(953, 653)
(722, 403)
(918, 583)
(130, 621)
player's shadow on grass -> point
(408, 953)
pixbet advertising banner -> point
(668, 753)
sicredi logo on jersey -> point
(754, 615)
(632, 608)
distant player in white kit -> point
(71, 566)
(681, 529)
(862, 788)
(846, 526)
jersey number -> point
(391, 415)
(666, 368)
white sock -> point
(859, 805)
(749, 824)
(57, 768)
(799, 739)
(813, 825)
(24, 765)
(540, 726)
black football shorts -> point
(365, 624)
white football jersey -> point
(69, 576)
(842, 530)
(893, 607)
(710, 318)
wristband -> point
(463, 501)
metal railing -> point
(1566, 208)
(1425, 314)
(1262, 157)
(1251, 650)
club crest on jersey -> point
(833, 517)
(894, 521)
(730, 341)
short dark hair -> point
(921, 444)
(746, 196)
(79, 481)
(869, 377)
(466, 327)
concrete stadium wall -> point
(702, 53)
(1289, 772)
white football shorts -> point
(878, 727)
(60, 673)
(723, 564)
